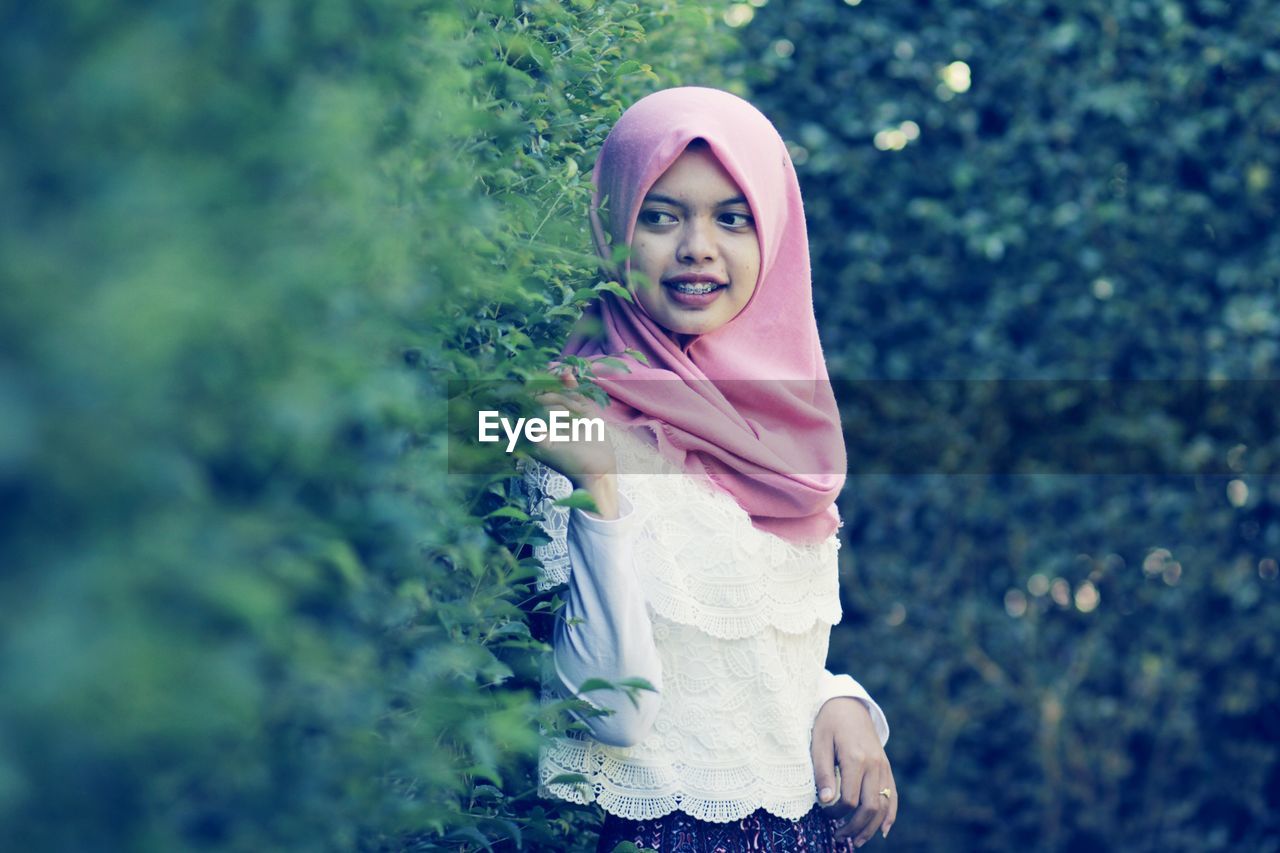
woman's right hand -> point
(589, 465)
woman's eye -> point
(736, 220)
(656, 217)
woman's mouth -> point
(694, 293)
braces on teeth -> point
(695, 289)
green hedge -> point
(1067, 662)
(244, 245)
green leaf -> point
(516, 629)
(593, 684)
(611, 361)
(508, 512)
(496, 672)
(638, 684)
(631, 66)
(511, 827)
(579, 499)
(569, 779)
(616, 289)
(470, 832)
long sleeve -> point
(605, 631)
(832, 686)
(614, 640)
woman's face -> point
(695, 256)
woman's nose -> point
(697, 243)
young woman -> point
(710, 568)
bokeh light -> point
(896, 138)
(1155, 561)
(739, 14)
(897, 614)
(956, 76)
(1015, 603)
(1060, 592)
(1087, 597)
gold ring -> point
(886, 793)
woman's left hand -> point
(844, 734)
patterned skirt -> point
(758, 832)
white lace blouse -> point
(728, 622)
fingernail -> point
(826, 794)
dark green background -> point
(1098, 204)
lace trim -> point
(637, 792)
(544, 486)
(731, 734)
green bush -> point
(244, 245)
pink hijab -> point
(748, 404)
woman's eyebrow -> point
(666, 199)
(663, 199)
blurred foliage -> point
(1044, 190)
(244, 245)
